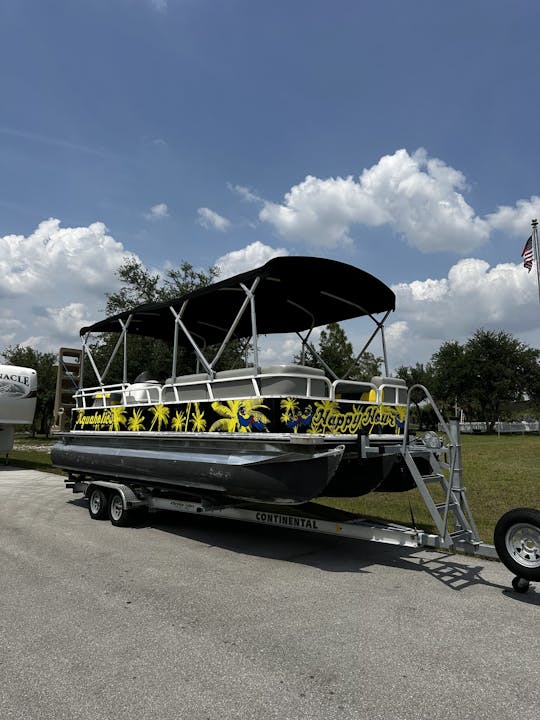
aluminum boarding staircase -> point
(451, 514)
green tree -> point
(450, 382)
(139, 285)
(44, 364)
(498, 368)
(486, 375)
(337, 352)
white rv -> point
(18, 389)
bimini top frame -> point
(287, 294)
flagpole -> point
(536, 252)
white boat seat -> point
(394, 391)
(237, 383)
(293, 380)
(189, 387)
(354, 390)
(143, 392)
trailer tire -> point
(97, 504)
(517, 541)
(118, 514)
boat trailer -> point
(516, 537)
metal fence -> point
(519, 427)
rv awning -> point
(293, 294)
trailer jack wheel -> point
(520, 585)
(97, 504)
(118, 514)
(517, 541)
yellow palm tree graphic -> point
(136, 421)
(230, 413)
(179, 421)
(118, 418)
(290, 408)
(161, 416)
(198, 422)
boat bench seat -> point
(355, 390)
(188, 387)
(293, 380)
(394, 390)
(236, 383)
(142, 392)
(248, 382)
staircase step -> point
(432, 478)
(442, 506)
(460, 535)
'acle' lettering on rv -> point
(23, 379)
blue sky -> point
(185, 130)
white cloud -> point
(157, 212)
(245, 193)
(516, 221)
(252, 256)
(417, 196)
(473, 295)
(54, 281)
(210, 219)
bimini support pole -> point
(121, 339)
(325, 365)
(198, 353)
(251, 297)
(86, 353)
(247, 300)
(380, 327)
(383, 341)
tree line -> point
(491, 376)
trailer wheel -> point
(118, 514)
(97, 504)
(520, 585)
(517, 540)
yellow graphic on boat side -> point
(136, 421)
(161, 416)
(198, 421)
(111, 419)
(293, 416)
(246, 415)
(180, 421)
(97, 420)
(240, 416)
(328, 418)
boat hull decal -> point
(250, 415)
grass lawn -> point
(498, 473)
(32, 454)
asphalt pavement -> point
(205, 619)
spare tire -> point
(517, 541)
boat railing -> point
(271, 381)
(391, 391)
(100, 396)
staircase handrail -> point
(429, 397)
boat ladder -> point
(441, 483)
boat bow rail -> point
(270, 381)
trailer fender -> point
(129, 499)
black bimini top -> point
(293, 294)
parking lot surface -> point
(203, 618)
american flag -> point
(527, 254)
